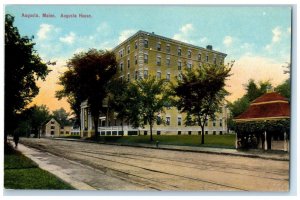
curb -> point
(178, 149)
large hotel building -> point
(145, 54)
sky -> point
(258, 38)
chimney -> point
(209, 47)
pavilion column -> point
(265, 142)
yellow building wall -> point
(152, 67)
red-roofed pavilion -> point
(268, 107)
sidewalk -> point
(79, 176)
(253, 153)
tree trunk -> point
(96, 127)
(202, 135)
(151, 138)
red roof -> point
(272, 96)
(268, 106)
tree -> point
(39, 116)
(285, 88)
(200, 92)
(253, 91)
(145, 98)
(87, 78)
(61, 116)
(23, 67)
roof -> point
(272, 96)
(270, 106)
(140, 32)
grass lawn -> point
(221, 141)
(22, 173)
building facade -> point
(145, 54)
(53, 129)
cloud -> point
(103, 27)
(44, 31)
(125, 34)
(69, 39)
(185, 33)
(227, 41)
(185, 29)
(276, 34)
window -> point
(128, 77)
(189, 66)
(221, 61)
(140, 74)
(135, 44)
(206, 58)
(190, 132)
(168, 120)
(146, 43)
(221, 122)
(145, 132)
(168, 49)
(145, 58)
(214, 123)
(158, 46)
(158, 132)
(121, 67)
(179, 65)
(128, 49)
(168, 62)
(189, 53)
(158, 120)
(52, 122)
(52, 127)
(206, 123)
(179, 52)
(168, 76)
(136, 75)
(121, 53)
(199, 57)
(145, 73)
(206, 132)
(179, 121)
(221, 132)
(61, 132)
(215, 61)
(52, 132)
(67, 132)
(158, 61)
(135, 60)
(158, 75)
(214, 132)
(128, 63)
(179, 132)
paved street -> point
(111, 167)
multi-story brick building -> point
(145, 54)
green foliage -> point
(253, 91)
(201, 91)
(245, 128)
(144, 99)
(284, 89)
(32, 119)
(61, 115)
(23, 67)
(87, 78)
